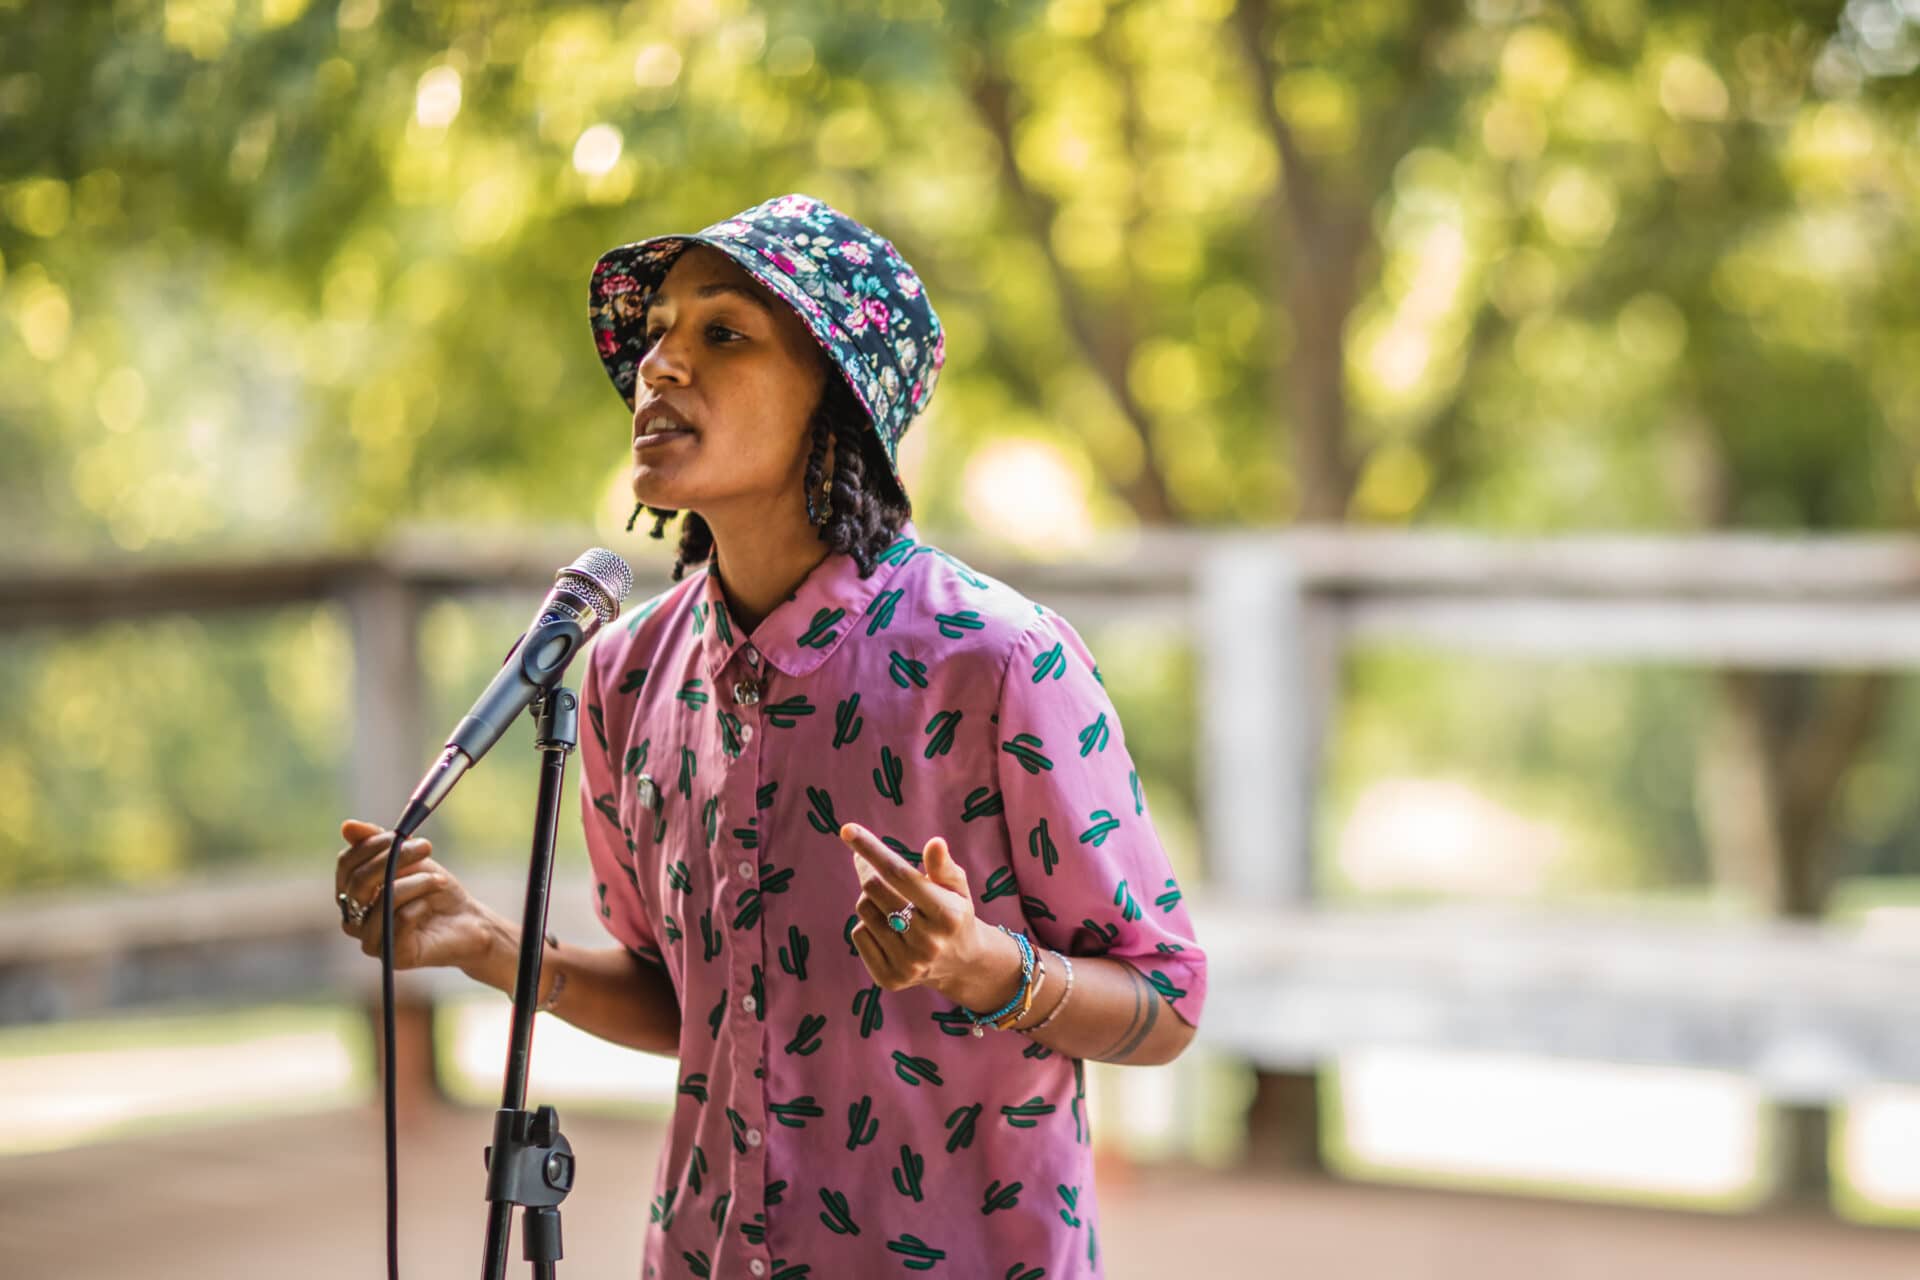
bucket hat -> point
(858, 297)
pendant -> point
(978, 1033)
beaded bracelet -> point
(981, 1021)
(1026, 1005)
(1067, 961)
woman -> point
(855, 812)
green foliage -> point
(283, 273)
(344, 248)
(137, 753)
(1592, 764)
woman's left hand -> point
(944, 946)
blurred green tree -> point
(283, 272)
(1516, 265)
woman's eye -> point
(715, 333)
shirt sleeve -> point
(1093, 876)
(617, 898)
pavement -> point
(297, 1197)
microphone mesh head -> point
(609, 577)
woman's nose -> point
(663, 361)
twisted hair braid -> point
(867, 506)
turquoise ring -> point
(901, 919)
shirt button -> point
(748, 1003)
(758, 1267)
(746, 870)
(753, 1137)
(753, 658)
(746, 730)
(746, 692)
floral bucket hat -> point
(851, 287)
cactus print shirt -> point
(825, 1128)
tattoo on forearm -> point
(1146, 1011)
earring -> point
(638, 507)
(826, 503)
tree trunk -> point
(1283, 1123)
(1320, 295)
(1769, 772)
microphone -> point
(586, 595)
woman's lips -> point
(657, 438)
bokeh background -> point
(289, 284)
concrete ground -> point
(302, 1197)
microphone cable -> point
(388, 1058)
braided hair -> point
(866, 508)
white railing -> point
(1809, 1012)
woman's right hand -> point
(435, 920)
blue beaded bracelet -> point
(982, 1021)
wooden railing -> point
(1808, 1012)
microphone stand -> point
(530, 1163)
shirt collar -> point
(804, 629)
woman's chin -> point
(648, 488)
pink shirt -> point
(826, 1128)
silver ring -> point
(352, 914)
(899, 920)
